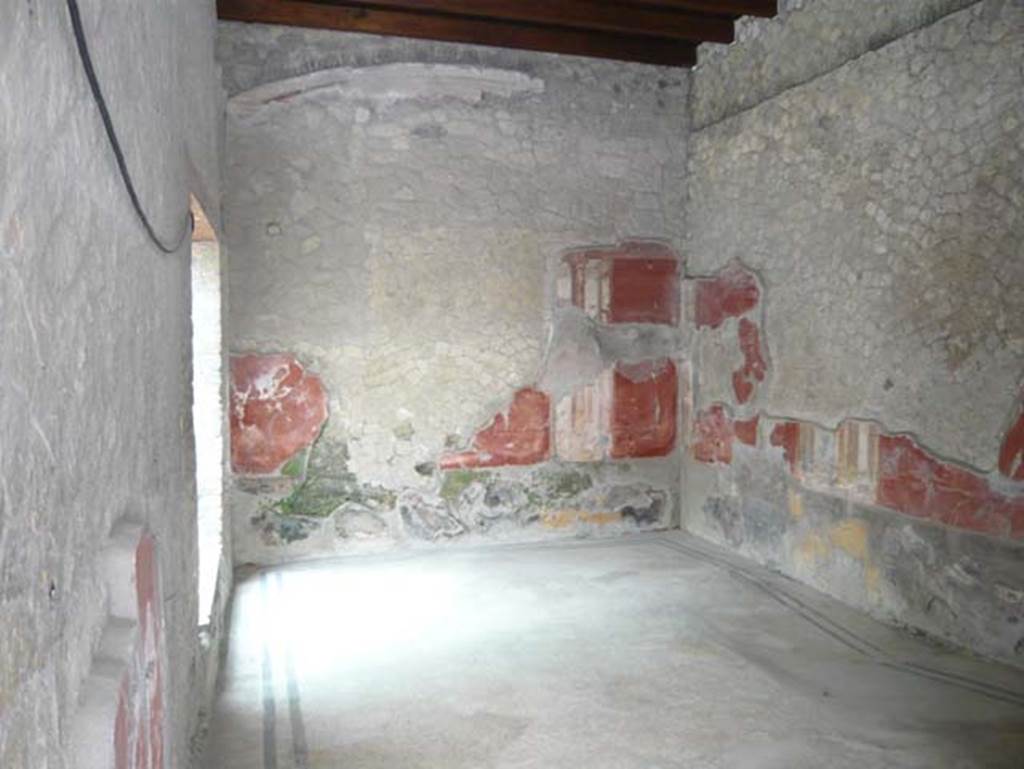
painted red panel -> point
(522, 436)
(746, 430)
(636, 282)
(643, 421)
(1011, 454)
(277, 409)
(787, 436)
(754, 366)
(139, 724)
(644, 291)
(730, 294)
(149, 726)
(713, 436)
(916, 483)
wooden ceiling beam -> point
(574, 42)
(577, 14)
(731, 8)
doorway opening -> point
(208, 415)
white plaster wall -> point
(94, 333)
(392, 224)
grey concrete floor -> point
(656, 651)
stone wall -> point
(880, 206)
(94, 386)
(398, 226)
(807, 39)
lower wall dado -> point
(818, 515)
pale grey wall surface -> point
(882, 206)
(807, 39)
(395, 225)
(94, 333)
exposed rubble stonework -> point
(869, 350)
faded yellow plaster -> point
(812, 548)
(872, 578)
(851, 537)
(560, 519)
(796, 505)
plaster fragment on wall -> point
(917, 483)
(754, 367)
(634, 282)
(714, 432)
(644, 409)
(732, 293)
(277, 410)
(522, 436)
(713, 436)
(786, 435)
(582, 419)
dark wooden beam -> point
(649, 50)
(577, 14)
(731, 8)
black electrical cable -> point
(115, 145)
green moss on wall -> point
(456, 481)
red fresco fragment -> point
(787, 436)
(277, 409)
(122, 747)
(914, 482)
(522, 437)
(754, 366)
(732, 293)
(1011, 454)
(742, 387)
(644, 291)
(139, 724)
(643, 422)
(746, 430)
(151, 631)
(637, 282)
(713, 436)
